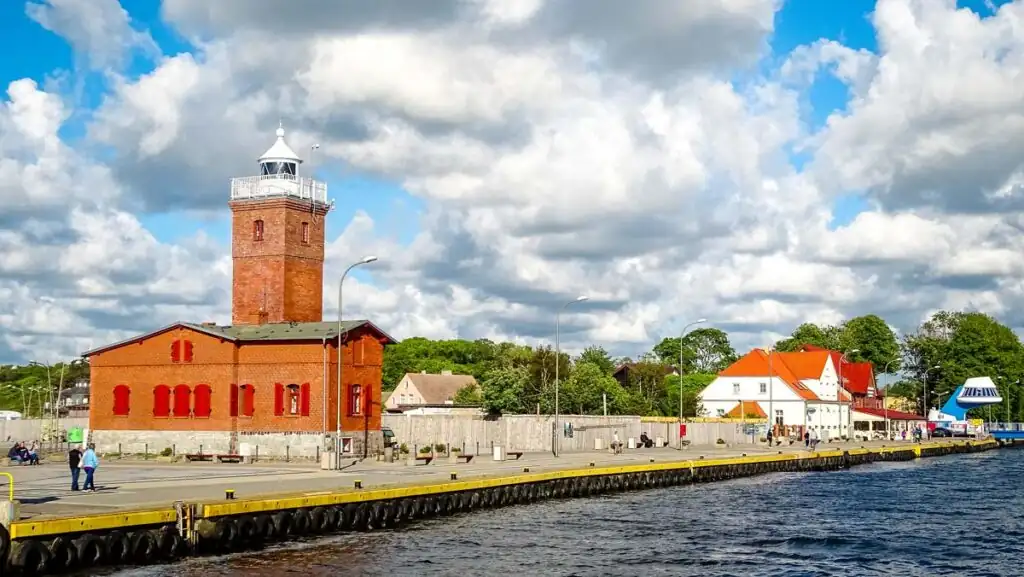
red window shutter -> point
(122, 400)
(248, 400)
(186, 352)
(162, 401)
(233, 403)
(304, 399)
(182, 401)
(176, 352)
(202, 408)
(278, 399)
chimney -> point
(209, 324)
(446, 372)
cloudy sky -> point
(759, 163)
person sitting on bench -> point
(646, 441)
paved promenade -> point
(45, 490)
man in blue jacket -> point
(90, 462)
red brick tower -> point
(277, 241)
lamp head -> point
(581, 298)
(700, 321)
(368, 259)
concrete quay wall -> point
(533, 433)
(184, 528)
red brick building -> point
(269, 380)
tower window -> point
(257, 230)
(305, 233)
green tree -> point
(963, 345)
(505, 390)
(705, 350)
(596, 355)
(692, 385)
(469, 395)
(874, 341)
(585, 391)
(828, 337)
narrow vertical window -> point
(233, 401)
(355, 399)
(176, 351)
(304, 400)
(257, 230)
(305, 233)
(203, 407)
(182, 401)
(278, 399)
(162, 401)
(186, 351)
(293, 401)
(122, 400)
(248, 400)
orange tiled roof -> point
(755, 364)
(807, 365)
(746, 409)
(857, 377)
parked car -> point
(941, 432)
(389, 438)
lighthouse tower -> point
(277, 241)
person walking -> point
(90, 462)
(74, 460)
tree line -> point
(950, 346)
(28, 388)
(947, 349)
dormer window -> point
(257, 230)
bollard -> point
(702, 456)
(744, 454)
(652, 460)
(200, 451)
(477, 447)
(455, 477)
(591, 464)
(358, 484)
(526, 469)
(229, 494)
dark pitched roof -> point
(259, 333)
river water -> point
(959, 515)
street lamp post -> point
(49, 389)
(885, 399)
(681, 335)
(558, 358)
(771, 390)
(337, 437)
(926, 371)
(839, 390)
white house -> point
(799, 390)
(426, 390)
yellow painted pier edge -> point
(186, 519)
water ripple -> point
(950, 516)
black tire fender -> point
(30, 557)
(90, 549)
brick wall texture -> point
(147, 363)
(277, 277)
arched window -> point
(202, 408)
(182, 401)
(248, 400)
(122, 400)
(257, 230)
(161, 401)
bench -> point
(229, 458)
(464, 458)
(198, 457)
(425, 458)
(516, 454)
